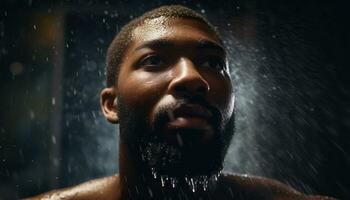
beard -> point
(149, 149)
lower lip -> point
(189, 123)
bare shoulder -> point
(265, 188)
(103, 188)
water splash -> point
(194, 183)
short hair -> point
(123, 39)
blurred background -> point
(289, 61)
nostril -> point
(201, 90)
(186, 90)
(180, 89)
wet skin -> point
(173, 60)
(167, 61)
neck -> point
(139, 182)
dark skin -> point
(165, 62)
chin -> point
(191, 157)
(152, 149)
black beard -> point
(149, 150)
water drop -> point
(150, 192)
(31, 114)
(192, 185)
(173, 182)
(154, 173)
(53, 138)
(162, 181)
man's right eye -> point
(151, 61)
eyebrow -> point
(199, 44)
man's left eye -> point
(214, 63)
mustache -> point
(165, 113)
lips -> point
(190, 116)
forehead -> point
(177, 30)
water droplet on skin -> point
(197, 183)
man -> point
(169, 88)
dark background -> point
(290, 65)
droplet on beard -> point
(154, 173)
(162, 181)
(195, 183)
(173, 182)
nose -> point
(187, 80)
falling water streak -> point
(179, 139)
(150, 192)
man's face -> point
(175, 100)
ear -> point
(108, 102)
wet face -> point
(175, 101)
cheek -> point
(142, 89)
(221, 95)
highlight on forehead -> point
(162, 20)
(162, 25)
(201, 44)
(148, 26)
